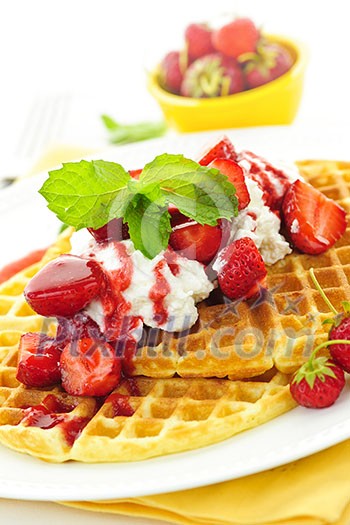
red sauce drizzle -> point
(39, 416)
(264, 174)
(171, 258)
(72, 428)
(158, 293)
(120, 405)
(52, 412)
(133, 388)
(115, 306)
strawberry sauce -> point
(53, 412)
(272, 181)
(120, 404)
(158, 293)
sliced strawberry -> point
(242, 269)
(314, 222)
(38, 362)
(114, 230)
(223, 149)
(196, 241)
(89, 368)
(235, 175)
(65, 286)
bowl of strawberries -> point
(232, 76)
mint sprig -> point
(90, 194)
(127, 133)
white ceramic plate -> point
(26, 225)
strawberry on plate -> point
(64, 286)
(90, 368)
(237, 37)
(241, 269)
(318, 383)
(340, 330)
(196, 241)
(38, 361)
(222, 149)
(341, 352)
(314, 222)
(212, 76)
(198, 41)
(235, 175)
(114, 230)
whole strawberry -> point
(238, 37)
(340, 330)
(198, 41)
(318, 383)
(171, 71)
(241, 269)
(212, 76)
(268, 63)
(341, 352)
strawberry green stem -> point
(323, 295)
(329, 343)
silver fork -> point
(44, 124)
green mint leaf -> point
(201, 193)
(128, 133)
(87, 194)
(149, 225)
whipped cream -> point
(259, 223)
(187, 286)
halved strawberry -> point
(38, 361)
(242, 269)
(196, 241)
(90, 368)
(114, 230)
(235, 175)
(314, 222)
(223, 149)
(64, 286)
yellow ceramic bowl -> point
(276, 102)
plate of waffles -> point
(159, 357)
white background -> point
(96, 52)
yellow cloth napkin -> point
(311, 491)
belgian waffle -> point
(147, 416)
(280, 328)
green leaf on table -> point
(128, 133)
